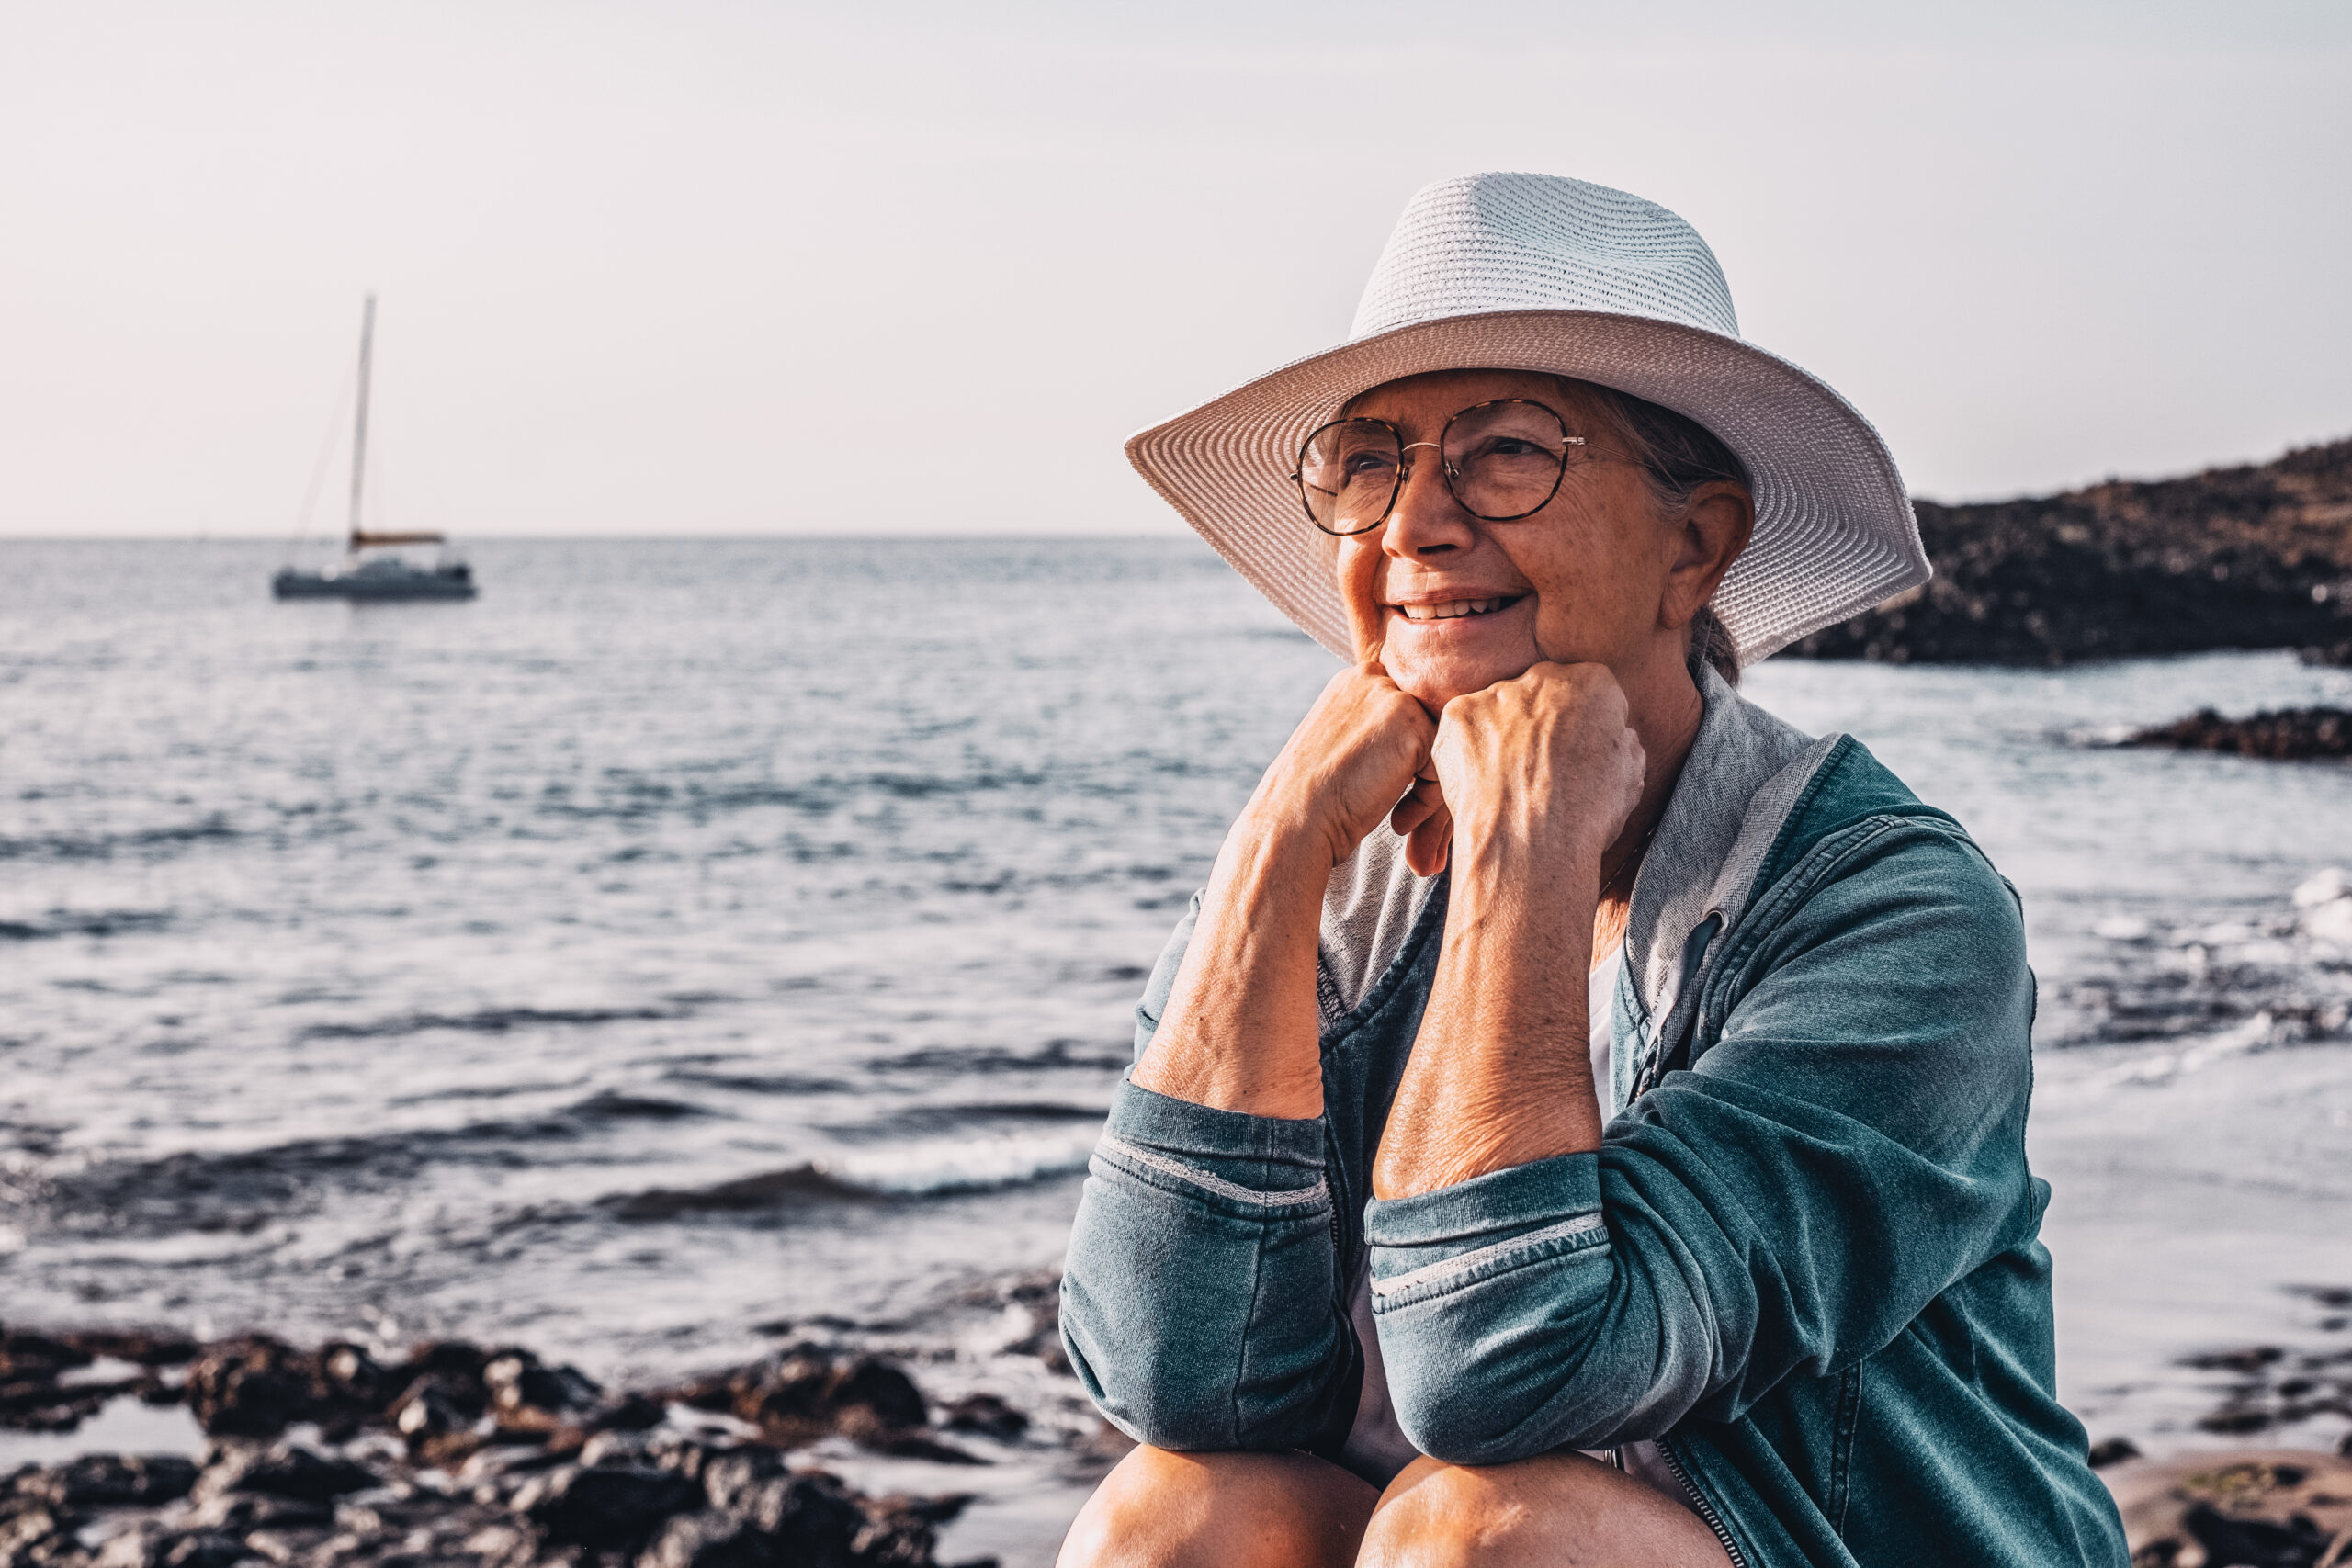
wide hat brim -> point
(1834, 535)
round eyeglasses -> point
(1502, 460)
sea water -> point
(690, 944)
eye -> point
(1363, 464)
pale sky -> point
(742, 266)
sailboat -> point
(362, 576)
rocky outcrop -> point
(2253, 556)
(2285, 735)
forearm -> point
(1240, 1028)
(1200, 1302)
(1500, 1073)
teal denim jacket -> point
(1804, 1259)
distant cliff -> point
(2252, 557)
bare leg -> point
(1159, 1509)
(1552, 1511)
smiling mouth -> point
(1457, 609)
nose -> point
(1425, 520)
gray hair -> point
(1678, 455)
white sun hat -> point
(1534, 271)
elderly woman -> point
(1582, 1119)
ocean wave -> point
(962, 1117)
(789, 1084)
(105, 846)
(633, 797)
(99, 923)
(489, 1021)
(238, 1191)
(1053, 1054)
(2216, 988)
(940, 1168)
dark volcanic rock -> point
(2252, 557)
(987, 1415)
(600, 1507)
(708, 1539)
(251, 1387)
(2287, 734)
(555, 1472)
(101, 1481)
(287, 1471)
(811, 1517)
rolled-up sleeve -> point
(1851, 1146)
(1200, 1298)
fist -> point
(1358, 750)
(1541, 768)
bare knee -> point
(1550, 1509)
(1159, 1509)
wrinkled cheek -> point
(1356, 568)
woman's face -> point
(1455, 604)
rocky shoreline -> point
(2252, 557)
(333, 1458)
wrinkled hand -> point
(1358, 750)
(1540, 770)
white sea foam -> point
(965, 1165)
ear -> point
(1713, 532)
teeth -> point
(1452, 610)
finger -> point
(1426, 850)
(1419, 803)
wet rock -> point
(806, 1394)
(810, 1516)
(146, 1348)
(603, 1507)
(503, 1463)
(528, 1395)
(2113, 1450)
(238, 1512)
(2255, 1543)
(2273, 1508)
(109, 1481)
(2286, 735)
(433, 1406)
(254, 1387)
(629, 1413)
(728, 1476)
(902, 1532)
(986, 1414)
(709, 1539)
(152, 1547)
(23, 1536)
(27, 1357)
(288, 1545)
(287, 1471)
(862, 1428)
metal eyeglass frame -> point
(1446, 469)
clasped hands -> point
(1537, 773)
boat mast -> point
(359, 431)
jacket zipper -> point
(1706, 1510)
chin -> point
(1434, 682)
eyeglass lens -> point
(1502, 460)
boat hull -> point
(368, 588)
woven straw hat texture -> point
(1535, 272)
